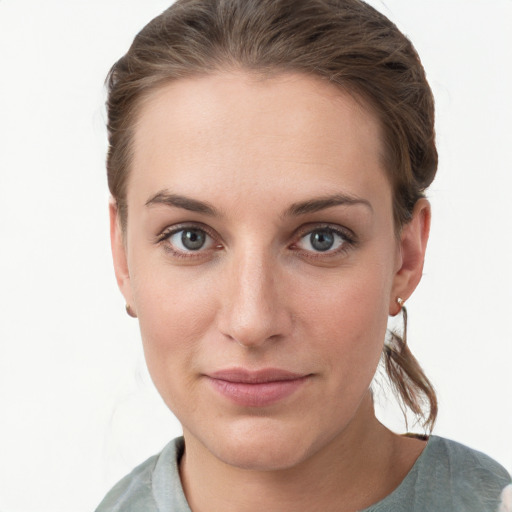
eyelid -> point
(175, 228)
(343, 231)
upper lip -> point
(242, 375)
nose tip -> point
(254, 325)
(254, 309)
(250, 336)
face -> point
(261, 259)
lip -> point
(258, 388)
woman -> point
(268, 161)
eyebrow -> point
(322, 203)
(301, 208)
(179, 201)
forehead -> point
(253, 132)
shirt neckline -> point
(168, 490)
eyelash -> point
(347, 236)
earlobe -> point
(413, 244)
(119, 252)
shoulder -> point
(133, 492)
(470, 479)
(464, 464)
(449, 476)
(147, 485)
(460, 477)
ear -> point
(412, 247)
(117, 241)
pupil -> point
(193, 239)
(322, 240)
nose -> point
(254, 307)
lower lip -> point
(257, 394)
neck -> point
(359, 467)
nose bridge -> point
(253, 309)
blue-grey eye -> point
(190, 239)
(193, 239)
(321, 240)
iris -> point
(322, 240)
(193, 239)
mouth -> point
(256, 388)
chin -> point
(261, 454)
(263, 444)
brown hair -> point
(344, 41)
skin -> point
(259, 295)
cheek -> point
(174, 314)
(347, 318)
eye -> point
(183, 241)
(323, 240)
(189, 239)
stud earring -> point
(130, 311)
(400, 302)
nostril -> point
(248, 342)
(252, 328)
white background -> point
(77, 410)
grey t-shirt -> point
(447, 477)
